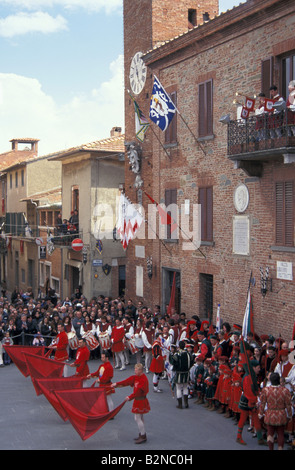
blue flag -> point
(162, 108)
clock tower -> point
(148, 23)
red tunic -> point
(117, 337)
(82, 357)
(278, 400)
(158, 363)
(61, 353)
(140, 386)
(105, 373)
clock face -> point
(137, 74)
(241, 198)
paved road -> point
(29, 422)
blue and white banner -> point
(162, 108)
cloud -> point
(38, 22)
(90, 5)
(26, 111)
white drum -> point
(131, 345)
(73, 340)
(104, 340)
(91, 341)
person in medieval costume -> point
(158, 363)
(275, 407)
(181, 361)
(141, 405)
(117, 340)
(103, 376)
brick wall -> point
(232, 58)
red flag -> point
(166, 218)
(250, 103)
(268, 104)
(248, 368)
(41, 368)
(172, 297)
(16, 354)
(49, 386)
(245, 113)
(86, 409)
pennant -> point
(141, 122)
(48, 386)
(99, 246)
(248, 317)
(129, 221)
(86, 409)
(245, 113)
(249, 103)
(166, 218)
(268, 104)
(162, 108)
(218, 326)
(172, 296)
(43, 367)
(16, 354)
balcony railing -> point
(65, 239)
(260, 133)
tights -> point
(140, 423)
(271, 430)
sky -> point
(61, 71)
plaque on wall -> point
(241, 235)
(241, 198)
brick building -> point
(201, 161)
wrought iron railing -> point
(262, 132)
(65, 239)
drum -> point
(91, 341)
(73, 340)
(131, 346)
(104, 340)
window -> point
(284, 213)
(171, 203)
(266, 75)
(22, 177)
(206, 296)
(75, 198)
(10, 180)
(206, 108)
(287, 72)
(16, 179)
(50, 219)
(192, 17)
(206, 201)
(171, 131)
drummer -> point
(61, 345)
(103, 327)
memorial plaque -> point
(241, 235)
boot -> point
(185, 399)
(141, 438)
(179, 403)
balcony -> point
(259, 139)
(64, 240)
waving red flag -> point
(16, 354)
(86, 409)
(42, 367)
(49, 386)
(165, 217)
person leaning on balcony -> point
(291, 108)
(275, 118)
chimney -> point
(33, 142)
(116, 131)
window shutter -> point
(170, 198)
(205, 109)
(206, 201)
(266, 75)
(209, 194)
(289, 214)
(279, 213)
(284, 213)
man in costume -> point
(141, 405)
(158, 363)
(285, 369)
(104, 375)
(275, 406)
(117, 340)
(82, 357)
(248, 404)
(61, 345)
(181, 361)
(148, 335)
